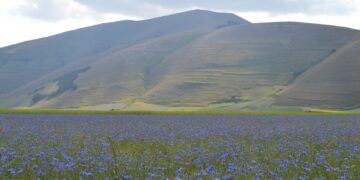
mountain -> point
(196, 59)
(334, 83)
(25, 62)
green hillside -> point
(334, 83)
(25, 62)
(196, 60)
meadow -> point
(160, 146)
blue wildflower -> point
(210, 168)
(180, 170)
(84, 173)
(11, 171)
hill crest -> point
(196, 59)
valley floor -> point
(179, 147)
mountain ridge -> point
(203, 60)
(58, 50)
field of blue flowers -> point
(179, 147)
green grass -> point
(185, 112)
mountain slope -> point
(334, 83)
(232, 63)
(28, 61)
(196, 59)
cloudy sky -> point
(22, 20)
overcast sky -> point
(22, 20)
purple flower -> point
(41, 154)
(154, 175)
(210, 168)
(3, 159)
(180, 170)
(160, 168)
(11, 171)
(84, 173)
(272, 174)
(39, 173)
(20, 171)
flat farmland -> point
(100, 146)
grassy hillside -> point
(243, 63)
(25, 62)
(334, 83)
(197, 60)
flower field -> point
(179, 147)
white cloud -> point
(29, 19)
(53, 10)
(17, 27)
(271, 6)
(350, 20)
(138, 8)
